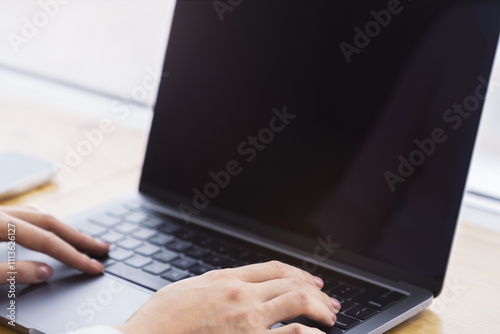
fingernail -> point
(101, 243)
(98, 265)
(43, 272)
(319, 281)
(336, 305)
(334, 317)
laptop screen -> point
(325, 122)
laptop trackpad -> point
(78, 301)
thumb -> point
(28, 272)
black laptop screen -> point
(352, 122)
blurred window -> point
(98, 45)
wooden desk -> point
(471, 297)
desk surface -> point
(471, 296)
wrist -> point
(133, 327)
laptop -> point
(335, 136)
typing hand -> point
(43, 233)
(248, 299)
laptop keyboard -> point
(360, 300)
(153, 250)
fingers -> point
(81, 241)
(295, 303)
(37, 239)
(288, 292)
(27, 272)
(295, 328)
(261, 272)
(275, 288)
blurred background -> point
(55, 49)
(97, 57)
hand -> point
(248, 299)
(44, 233)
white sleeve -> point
(98, 330)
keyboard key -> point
(136, 217)
(120, 254)
(184, 262)
(125, 228)
(346, 291)
(156, 268)
(378, 302)
(335, 330)
(330, 283)
(361, 312)
(169, 227)
(165, 255)
(107, 262)
(345, 322)
(153, 222)
(111, 237)
(247, 256)
(138, 276)
(200, 269)
(118, 211)
(147, 250)
(179, 245)
(188, 235)
(236, 263)
(175, 274)
(138, 261)
(223, 248)
(217, 260)
(105, 220)
(144, 233)
(235, 252)
(311, 323)
(129, 243)
(344, 303)
(161, 239)
(90, 228)
(206, 242)
(197, 252)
